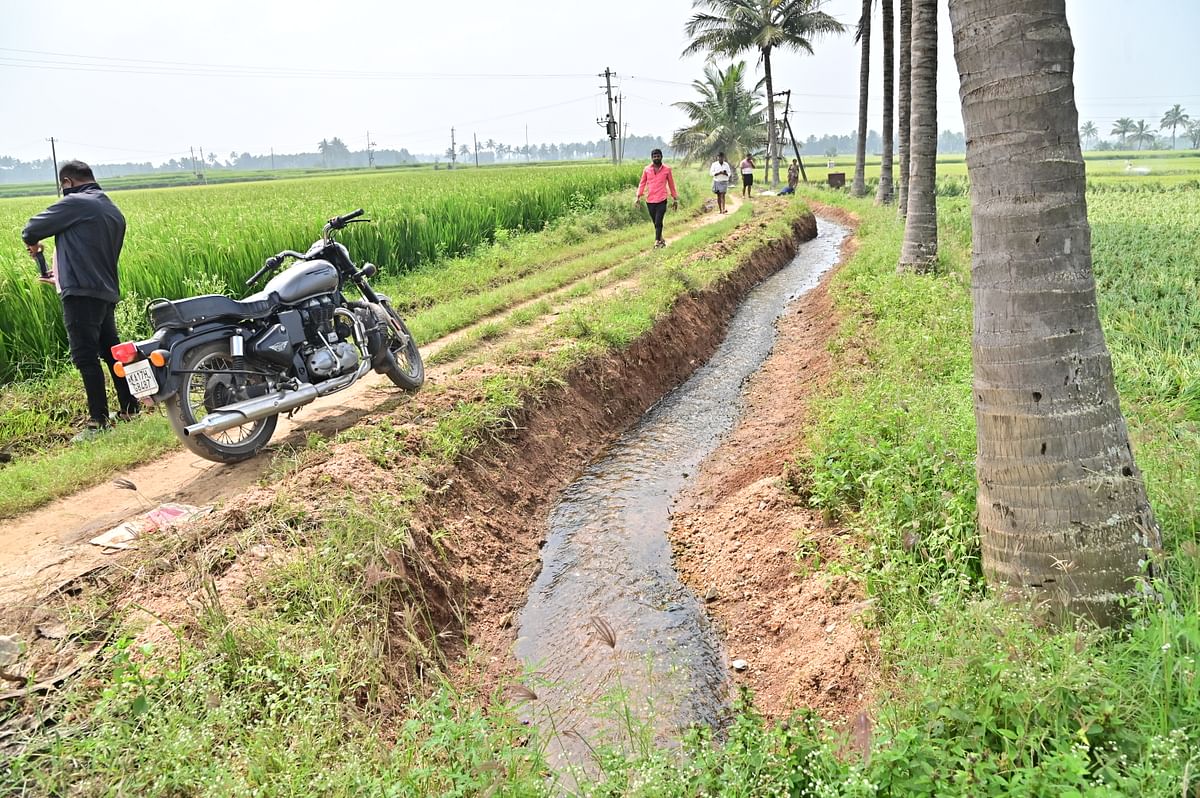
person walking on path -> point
(721, 171)
(656, 182)
(88, 231)
(747, 167)
(794, 174)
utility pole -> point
(624, 137)
(610, 122)
(453, 153)
(203, 179)
(476, 140)
(54, 160)
(272, 159)
(526, 142)
(788, 126)
(620, 128)
(370, 152)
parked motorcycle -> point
(224, 369)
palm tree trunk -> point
(1063, 511)
(905, 102)
(884, 194)
(919, 252)
(772, 140)
(858, 188)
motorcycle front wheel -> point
(404, 365)
(208, 386)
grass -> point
(296, 693)
(982, 699)
(39, 416)
(220, 234)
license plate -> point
(140, 376)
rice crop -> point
(1146, 249)
(181, 241)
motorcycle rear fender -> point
(179, 347)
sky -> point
(122, 80)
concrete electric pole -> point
(610, 122)
(54, 160)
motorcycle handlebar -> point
(272, 263)
(339, 222)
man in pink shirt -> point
(656, 182)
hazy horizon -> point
(151, 81)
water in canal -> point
(621, 652)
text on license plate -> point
(140, 376)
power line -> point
(79, 62)
(495, 118)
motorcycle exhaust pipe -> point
(248, 410)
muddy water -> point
(622, 653)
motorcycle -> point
(224, 369)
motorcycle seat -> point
(180, 313)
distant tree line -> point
(1139, 134)
(948, 142)
(330, 156)
(333, 154)
(492, 151)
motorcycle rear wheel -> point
(404, 365)
(202, 393)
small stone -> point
(739, 665)
(52, 631)
(711, 595)
(10, 649)
(829, 629)
(260, 551)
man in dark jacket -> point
(88, 232)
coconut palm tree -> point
(1174, 118)
(1122, 128)
(1088, 131)
(731, 27)
(1193, 131)
(727, 117)
(858, 187)
(1063, 512)
(905, 101)
(919, 251)
(883, 194)
(1142, 134)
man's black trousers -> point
(657, 211)
(91, 332)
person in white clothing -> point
(721, 171)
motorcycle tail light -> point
(159, 357)
(119, 369)
(125, 353)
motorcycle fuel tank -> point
(302, 280)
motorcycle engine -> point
(331, 361)
(328, 351)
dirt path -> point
(735, 534)
(49, 546)
(560, 298)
